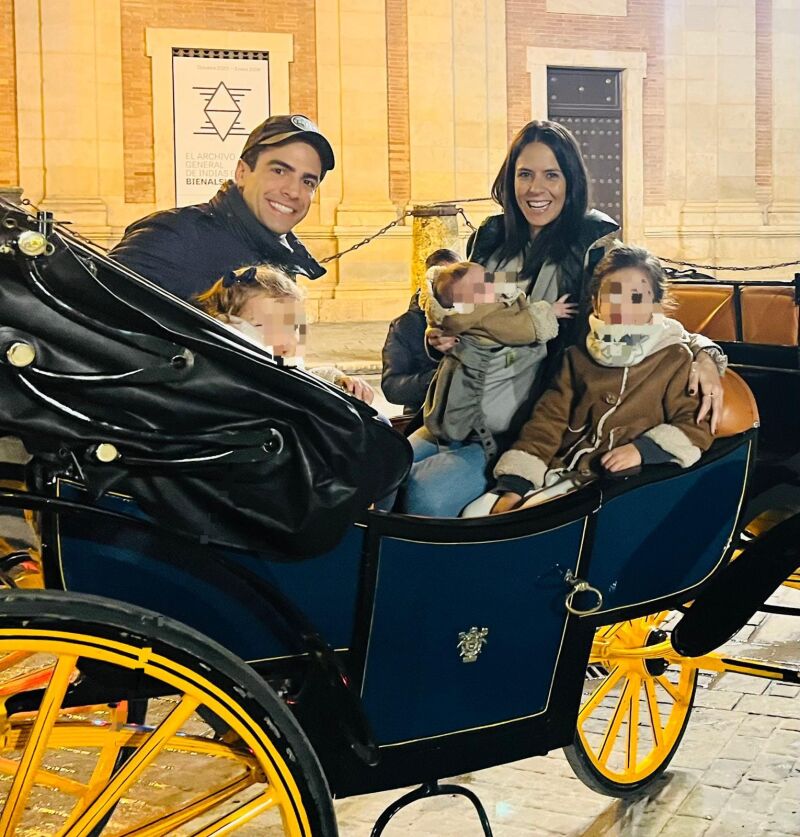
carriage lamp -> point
(20, 354)
(106, 452)
(32, 243)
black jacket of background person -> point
(407, 369)
(186, 250)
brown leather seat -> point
(705, 309)
(770, 316)
(739, 409)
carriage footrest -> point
(424, 792)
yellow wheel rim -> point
(60, 771)
(632, 720)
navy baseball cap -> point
(276, 130)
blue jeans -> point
(444, 477)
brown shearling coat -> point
(588, 410)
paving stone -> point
(785, 816)
(785, 742)
(725, 773)
(790, 723)
(733, 682)
(700, 753)
(744, 634)
(787, 690)
(770, 705)
(674, 787)
(704, 801)
(752, 796)
(758, 726)
(743, 747)
(684, 827)
(735, 824)
(634, 820)
(770, 768)
(716, 699)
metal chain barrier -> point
(730, 267)
(369, 238)
(460, 211)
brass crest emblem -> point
(471, 642)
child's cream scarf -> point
(627, 345)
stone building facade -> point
(420, 99)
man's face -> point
(278, 191)
(281, 323)
(626, 298)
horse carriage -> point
(228, 637)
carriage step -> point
(424, 792)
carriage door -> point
(588, 102)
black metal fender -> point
(739, 590)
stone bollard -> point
(433, 227)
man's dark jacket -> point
(186, 250)
(407, 368)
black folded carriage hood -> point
(147, 395)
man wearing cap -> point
(249, 221)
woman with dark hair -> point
(547, 236)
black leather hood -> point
(213, 437)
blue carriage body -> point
(396, 593)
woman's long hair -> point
(555, 241)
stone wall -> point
(9, 168)
(419, 98)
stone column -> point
(457, 100)
(720, 40)
(785, 208)
(69, 89)
(372, 282)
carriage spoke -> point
(633, 721)
(254, 808)
(35, 747)
(45, 778)
(14, 657)
(655, 713)
(600, 692)
(612, 730)
(669, 688)
(162, 826)
(134, 767)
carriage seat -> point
(739, 410)
(770, 315)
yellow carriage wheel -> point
(634, 715)
(215, 752)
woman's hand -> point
(439, 340)
(358, 388)
(505, 502)
(705, 375)
(563, 309)
(621, 458)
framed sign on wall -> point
(218, 97)
(210, 89)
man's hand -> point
(358, 388)
(704, 375)
(621, 458)
(439, 340)
(506, 502)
